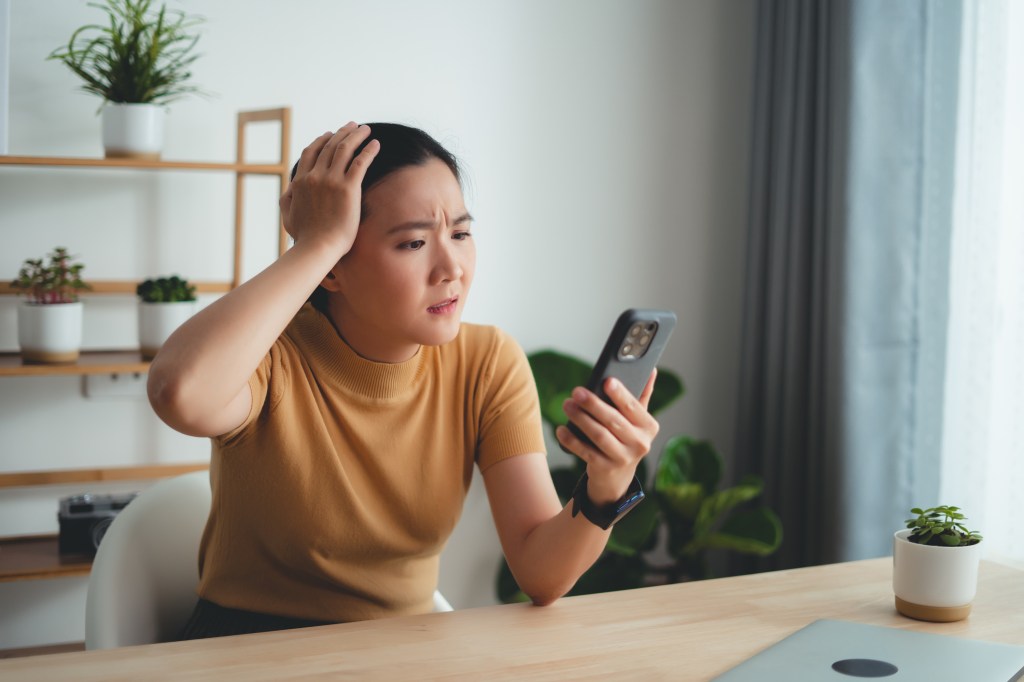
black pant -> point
(212, 620)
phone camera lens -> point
(645, 339)
(627, 349)
(636, 329)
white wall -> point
(605, 145)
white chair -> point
(142, 588)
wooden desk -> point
(691, 631)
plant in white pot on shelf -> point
(935, 565)
(164, 305)
(137, 61)
(50, 316)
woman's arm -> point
(546, 548)
(198, 381)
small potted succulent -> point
(164, 305)
(50, 316)
(935, 565)
(137, 60)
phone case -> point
(632, 372)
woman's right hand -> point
(321, 206)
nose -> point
(447, 267)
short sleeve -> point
(264, 384)
(510, 422)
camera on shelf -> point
(84, 520)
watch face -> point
(632, 499)
(606, 516)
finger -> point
(310, 154)
(574, 445)
(601, 434)
(357, 169)
(645, 395)
(346, 148)
(326, 157)
(627, 405)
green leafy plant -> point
(56, 281)
(140, 56)
(171, 289)
(685, 514)
(941, 526)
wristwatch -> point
(605, 516)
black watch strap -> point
(605, 516)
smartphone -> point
(630, 354)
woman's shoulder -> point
(485, 337)
(486, 346)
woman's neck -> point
(367, 344)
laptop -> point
(840, 651)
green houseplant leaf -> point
(140, 55)
(684, 506)
(171, 289)
(688, 471)
(556, 374)
(754, 531)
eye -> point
(414, 245)
(462, 236)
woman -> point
(345, 428)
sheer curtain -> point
(982, 458)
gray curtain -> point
(841, 374)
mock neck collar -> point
(341, 365)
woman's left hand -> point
(621, 437)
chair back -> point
(142, 588)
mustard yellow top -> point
(335, 497)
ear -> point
(331, 282)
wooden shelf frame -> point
(281, 169)
(89, 362)
(28, 479)
(33, 557)
(103, 362)
(36, 557)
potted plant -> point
(666, 539)
(137, 61)
(935, 565)
(50, 316)
(164, 305)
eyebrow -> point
(427, 224)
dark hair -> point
(400, 146)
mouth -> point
(444, 307)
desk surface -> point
(690, 631)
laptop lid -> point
(842, 651)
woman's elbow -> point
(545, 595)
(167, 397)
(545, 599)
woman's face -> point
(406, 279)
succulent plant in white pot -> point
(137, 61)
(164, 305)
(50, 316)
(935, 565)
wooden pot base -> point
(42, 357)
(934, 614)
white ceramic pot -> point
(158, 320)
(50, 332)
(133, 130)
(934, 583)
